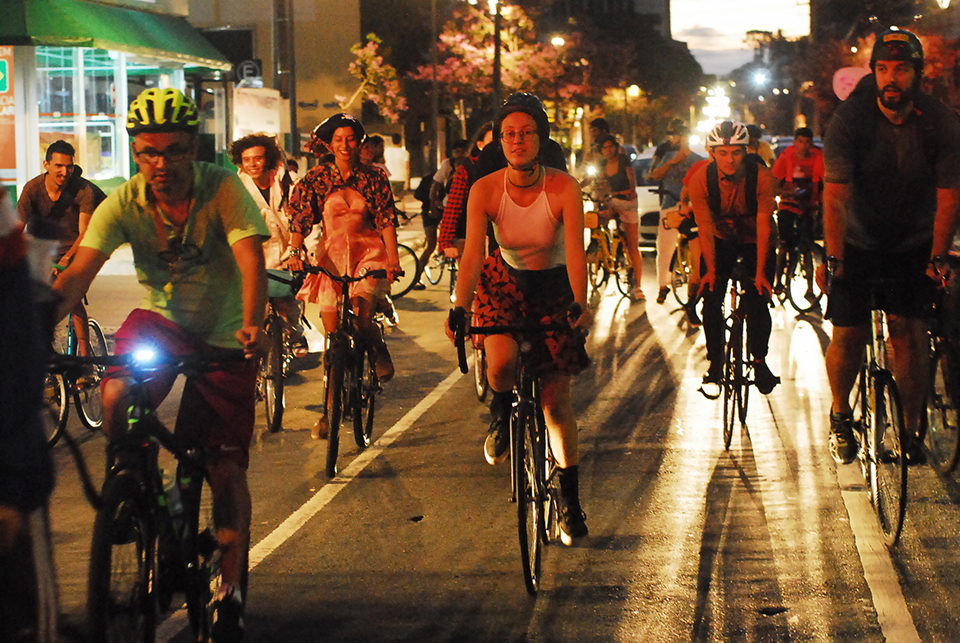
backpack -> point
(422, 193)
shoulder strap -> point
(713, 188)
(753, 170)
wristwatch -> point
(295, 252)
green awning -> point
(76, 23)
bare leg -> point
(844, 357)
(631, 237)
(560, 419)
(501, 354)
(80, 320)
(232, 510)
(911, 367)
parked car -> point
(648, 202)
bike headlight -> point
(144, 356)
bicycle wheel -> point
(453, 282)
(271, 374)
(942, 435)
(409, 265)
(886, 443)
(433, 270)
(480, 382)
(801, 285)
(121, 604)
(624, 271)
(596, 271)
(56, 405)
(732, 381)
(679, 276)
(364, 401)
(528, 473)
(202, 553)
(88, 398)
(334, 393)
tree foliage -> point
(379, 84)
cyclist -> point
(733, 201)
(354, 205)
(891, 192)
(197, 240)
(758, 147)
(617, 173)
(28, 593)
(537, 273)
(671, 161)
(58, 205)
(439, 192)
(453, 225)
(266, 177)
(799, 170)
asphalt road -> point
(416, 539)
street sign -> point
(249, 69)
(4, 77)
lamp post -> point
(557, 41)
(495, 9)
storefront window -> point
(78, 102)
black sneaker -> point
(227, 619)
(714, 374)
(573, 522)
(763, 378)
(496, 447)
(692, 317)
(662, 295)
(843, 444)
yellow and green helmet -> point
(162, 110)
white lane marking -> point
(177, 621)
(894, 616)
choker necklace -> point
(529, 185)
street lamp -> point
(494, 6)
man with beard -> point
(892, 188)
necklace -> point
(529, 185)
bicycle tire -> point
(801, 279)
(202, 553)
(942, 430)
(121, 605)
(272, 379)
(528, 472)
(88, 399)
(433, 269)
(733, 380)
(454, 270)
(679, 278)
(56, 406)
(887, 433)
(596, 270)
(365, 400)
(480, 383)
(334, 393)
(410, 266)
(624, 271)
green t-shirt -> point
(202, 289)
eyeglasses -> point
(173, 154)
(177, 250)
(517, 136)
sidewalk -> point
(411, 234)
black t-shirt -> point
(893, 174)
(36, 209)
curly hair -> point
(273, 155)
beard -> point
(896, 102)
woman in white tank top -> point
(539, 271)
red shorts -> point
(218, 409)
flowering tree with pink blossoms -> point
(379, 83)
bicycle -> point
(350, 377)
(533, 469)
(738, 365)
(606, 251)
(151, 538)
(409, 264)
(880, 427)
(279, 354)
(83, 388)
(796, 276)
(941, 428)
(433, 271)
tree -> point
(379, 85)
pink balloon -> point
(846, 79)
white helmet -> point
(728, 133)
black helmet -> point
(677, 127)
(528, 104)
(897, 44)
(324, 131)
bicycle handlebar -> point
(346, 279)
(139, 362)
(460, 327)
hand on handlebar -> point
(456, 321)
